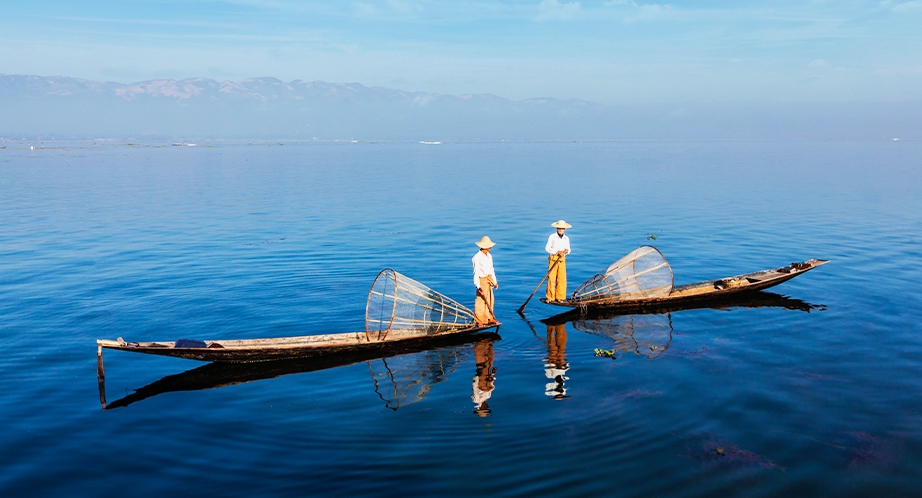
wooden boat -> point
(639, 297)
(756, 299)
(248, 350)
(220, 374)
(648, 331)
(398, 310)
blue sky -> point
(615, 51)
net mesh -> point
(643, 272)
(647, 335)
(396, 301)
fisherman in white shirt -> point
(485, 282)
(557, 247)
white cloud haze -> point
(614, 51)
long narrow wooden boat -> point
(697, 292)
(220, 374)
(756, 299)
(249, 350)
(398, 310)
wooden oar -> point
(522, 307)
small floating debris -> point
(896, 139)
(651, 236)
(606, 353)
(429, 143)
(712, 450)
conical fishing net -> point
(397, 302)
(647, 335)
(644, 272)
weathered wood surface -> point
(220, 374)
(758, 299)
(249, 350)
(701, 291)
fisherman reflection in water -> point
(485, 282)
(556, 367)
(483, 379)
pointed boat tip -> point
(810, 263)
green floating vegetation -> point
(605, 353)
(651, 236)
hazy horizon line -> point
(661, 102)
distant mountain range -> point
(62, 107)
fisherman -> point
(485, 281)
(558, 246)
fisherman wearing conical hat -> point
(485, 281)
(558, 246)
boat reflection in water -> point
(400, 375)
(647, 333)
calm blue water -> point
(101, 240)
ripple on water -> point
(247, 241)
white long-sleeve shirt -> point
(557, 243)
(483, 266)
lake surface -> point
(813, 389)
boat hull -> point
(253, 350)
(710, 290)
(219, 374)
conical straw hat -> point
(485, 243)
(561, 224)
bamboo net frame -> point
(642, 273)
(396, 301)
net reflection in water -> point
(647, 335)
(407, 379)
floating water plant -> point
(606, 353)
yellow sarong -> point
(483, 303)
(556, 279)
